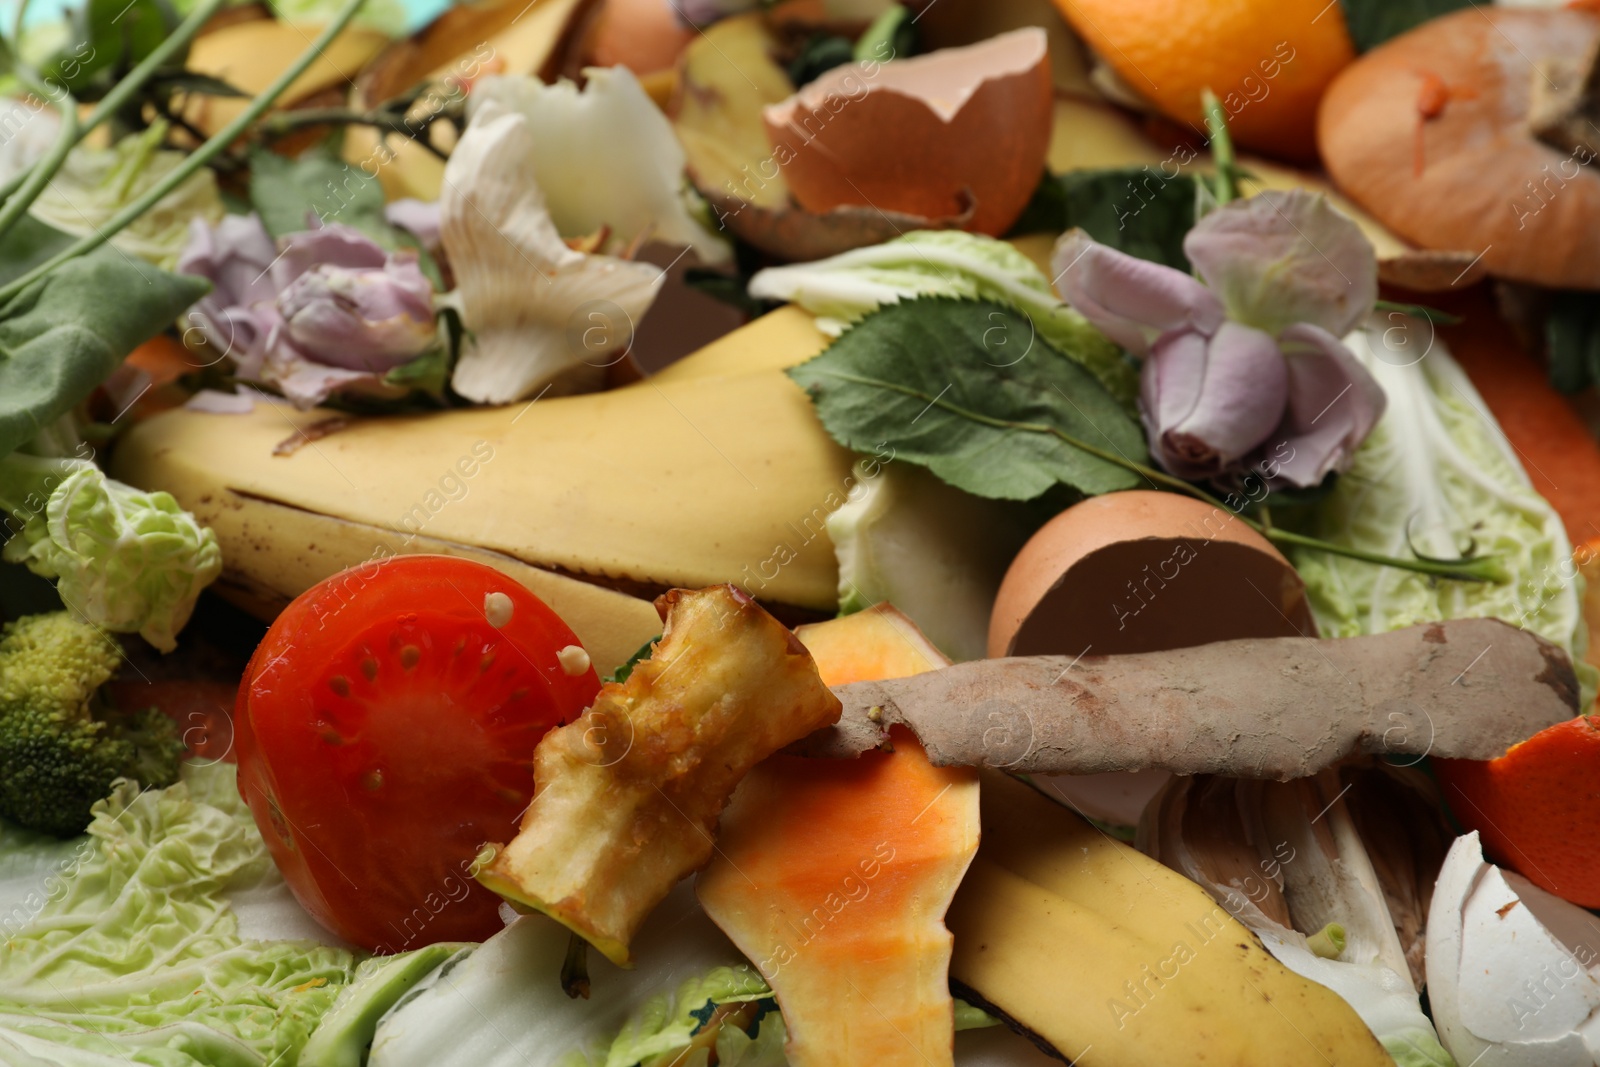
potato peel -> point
(1278, 708)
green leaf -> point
(62, 335)
(1373, 22)
(286, 192)
(625, 669)
(27, 244)
(969, 390)
(1573, 339)
(290, 194)
(1138, 210)
(108, 38)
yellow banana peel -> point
(715, 471)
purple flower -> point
(320, 311)
(1245, 371)
(360, 319)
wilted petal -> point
(606, 157)
(234, 256)
(1334, 402)
(1130, 300)
(336, 245)
(536, 310)
(1207, 402)
(419, 218)
(370, 320)
(1279, 258)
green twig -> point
(123, 92)
(1227, 179)
(197, 159)
(1419, 311)
(383, 118)
(38, 176)
(575, 968)
(1477, 569)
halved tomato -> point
(385, 730)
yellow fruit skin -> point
(1091, 945)
(715, 471)
(1268, 61)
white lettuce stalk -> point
(607, 158)
(842, 289)
(1299, 861)
(1436, 475)
(536, 310)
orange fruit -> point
(1537, 808)
(1268, 61)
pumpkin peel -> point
(834, 876)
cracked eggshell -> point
(923, 135)
(1513, 971)
(1144, 571)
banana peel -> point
(1098, 953)
(466, 42)
(714, 471)
(249, 55)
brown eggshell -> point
(1471, 175)
(914, 135)
(1144, 571)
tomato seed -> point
(340, 685)
(410, 656)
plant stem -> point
(197, 159)
(125, 89)
(1478, 569)
(33, 181)
(575, 968)
(380, 118)
(1227, 180)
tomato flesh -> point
(386, 731)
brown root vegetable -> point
(1281, 708)
(1472, 132)
(921, 135)
(627, 797)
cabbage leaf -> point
(133, 955)
(96, 183)
(1437, 475)
(843, 289)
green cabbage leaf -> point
(127, 951)
(843, 289)
(1438, 476)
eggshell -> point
(1144, 571)
(922, 135)
(643, 35)
(1512, 970)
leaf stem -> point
(1227, 179)
(124, 90)
(1477, 569)
(196, 159)
(33, 181)
(575, 968)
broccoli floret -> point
(61, 745)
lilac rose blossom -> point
(1245, 371)
(318, 312)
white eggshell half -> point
(1513, 972)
